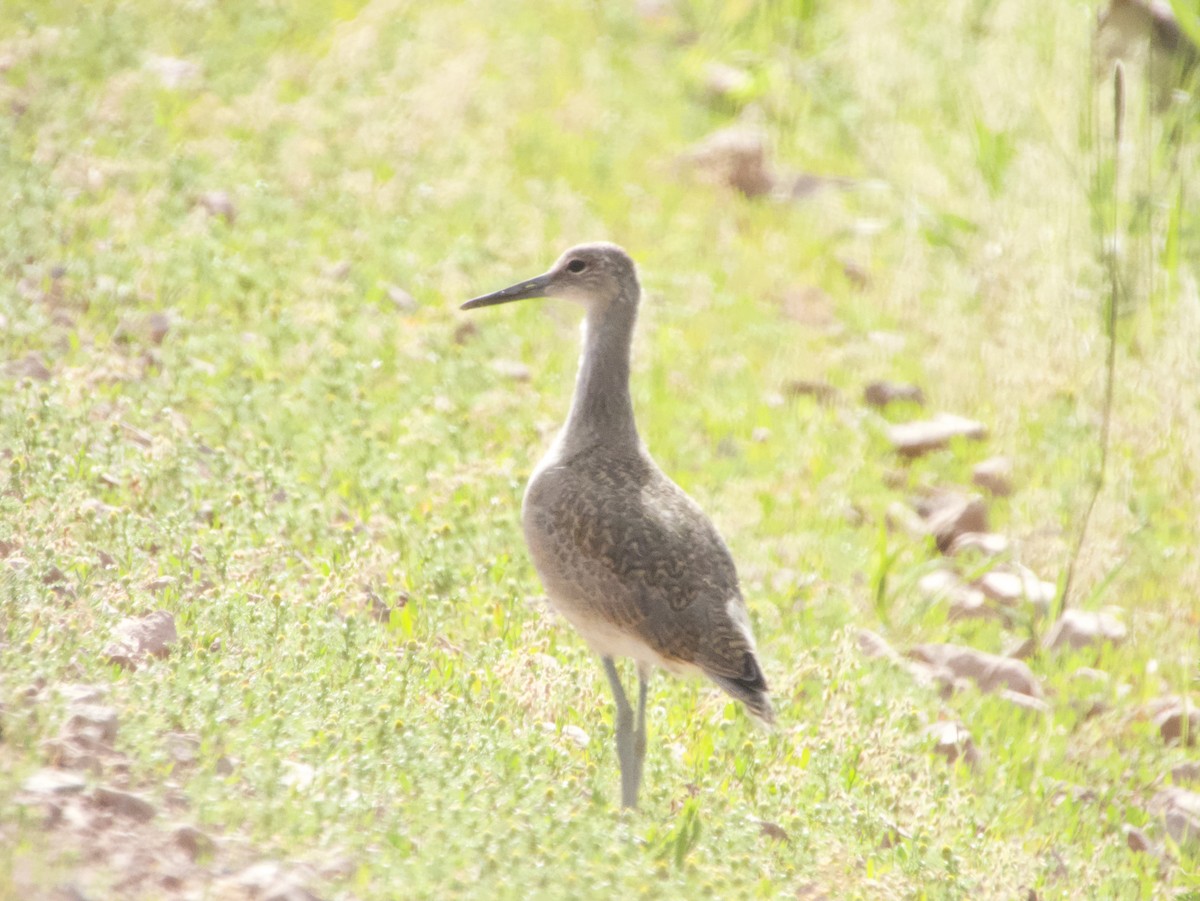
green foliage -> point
(321, 481)
(1188, 17)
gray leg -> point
(639, 735)
(627, 754)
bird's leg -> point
(639, 734)
(626, 753)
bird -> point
(624, 554)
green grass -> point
(309, 446)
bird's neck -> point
(602, 411)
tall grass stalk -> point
(1115, 291)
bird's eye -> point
(576, 266)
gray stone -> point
(994, 475)
(125, 804)
(1083, 628)
(138, 638)
(914, 439)
(54, 782)
(880, 394)
(988, 671)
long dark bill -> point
(535, 287)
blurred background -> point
(237, 397)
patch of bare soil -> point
(105, 834)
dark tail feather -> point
(750, 688)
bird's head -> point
(593, 275)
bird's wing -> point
(649, 561)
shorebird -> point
(624, 554)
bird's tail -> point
(750, 688)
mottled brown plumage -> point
(616, 541)
(624, 554)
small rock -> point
(1179, 722)
(125, 804)
(78, 816)
(988, 671)
(948, 515)
(162, 583)
(576, 735)
(54, 782)
(971, 604)
(192, 841)
(1016, 584)
(913, 439)
(338, 868)
(77, 693)
(1186, 772)
(269, 881)
(939, 583)
(1136, 839)
(297, 775)
(52, 813)
(952, 741)
(1183, 827)
(33, 692)
(92, 723)
(726, 82)
(511, 369)
(139, 638)
(965, 602)
(171, 879)
(773, 831)
(803, 185)
(259, 876)
(989, 544)
(1083, 628)
(465, 331)
(157, 326)
(218, 203)
(822, 392)
(71, 755)
(288, 892)
(184, 747)
(994, 475)
(880, 394)
(858, 275)
(735, 156)
(31, 366)
(1020, 699)
(401, 299)
(1180, 810)
(1021, 648)
(875, 646)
